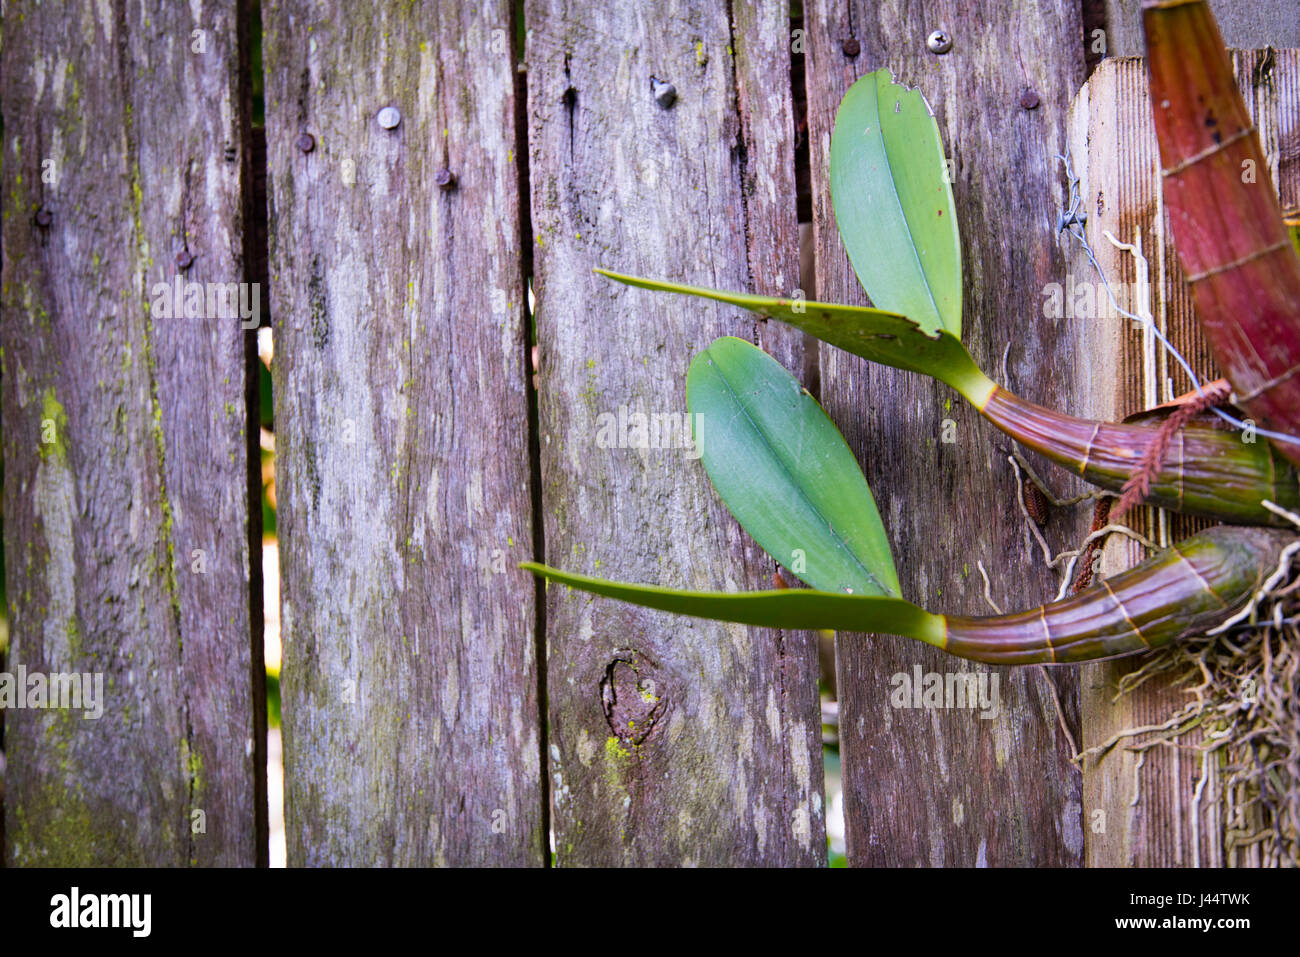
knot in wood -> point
(632, 696)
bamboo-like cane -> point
(1185, 590)
(1207, 471)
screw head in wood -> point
(44, 217)
(852, 47)
(184, 259)
(445, 179)
(665, 94)
(389, 117)
(305, 142)
(1029, 99)
(938, 42)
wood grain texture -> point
(1253, 24)
(126, 440)
(945, 787)
(672, 740)
(1149, 814)
(411, 716)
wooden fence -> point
(424, 164)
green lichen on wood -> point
(64, 836)
(160, 447)
(192, 767)
(55, 827)
(54, 429)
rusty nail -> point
(445, 179)
(852, 47)
(939, 42)
(184, 259)
(44, 217)
(665, 93)
(305, 142)
(389, 117)
(1029, 99)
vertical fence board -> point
(127, 526)
(672, 741)
(1150, 815)
(411, 718)
(1254, 24)
(944, 787)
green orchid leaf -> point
(893, 202)
(785, 472)
(875, 335)
(789, 608)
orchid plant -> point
(787, 475)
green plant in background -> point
(787, 476)
(273, 697)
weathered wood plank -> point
(944, 787)
(672, 741)
(126, 440)
(1142, 810)
(411, 716)
(1255, 24)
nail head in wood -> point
(665, 94)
